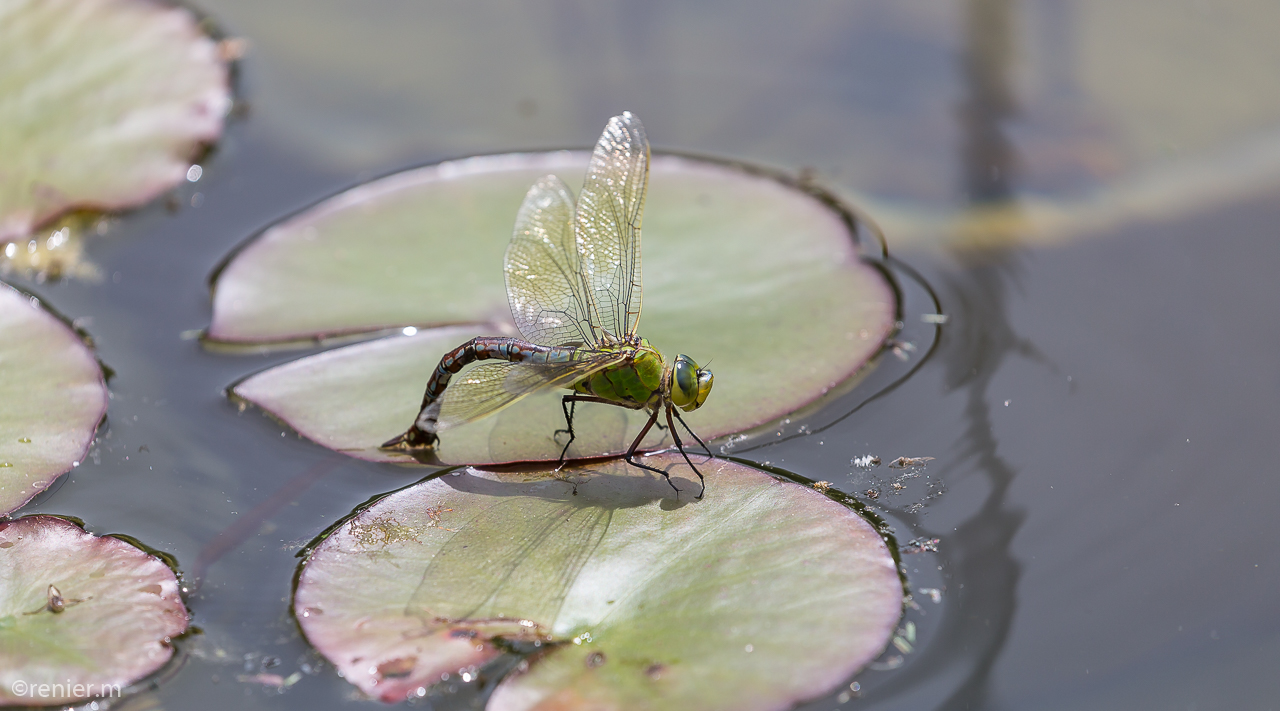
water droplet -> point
(194, 173)
(409, 330)
(750, 648)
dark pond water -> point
(1101, 406)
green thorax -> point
(635, 381)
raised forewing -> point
(544, 277)
(485, 389)
(607, 225)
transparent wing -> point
(485, 389)
(607, 225)
(544, 276)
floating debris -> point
(901, 349)
(934, 594)
(822, 486)
(915, 545)
(271, 680)
(866, 461)
(936, 319)
(889, 664)
(904, 462)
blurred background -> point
(1089, 188)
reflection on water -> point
(1117, 587)
(982, 545)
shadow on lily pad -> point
(762, 594)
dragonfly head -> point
(690, 384)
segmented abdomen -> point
(487, 348)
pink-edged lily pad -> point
(762, 594)
(53, 394)
(744, 272)
(80, 615)
(103, 105)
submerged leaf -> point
(762, 594)
(103, 105)
(754, 277)
(53, 394)
(78, 611)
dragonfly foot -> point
(414, 438)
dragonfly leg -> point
(570, 401)
(631, 453)
(567, 403)
(705, 448)
(680, 446)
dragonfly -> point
(573, 282)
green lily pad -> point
(754, 277)
(53, 394)
(119, 609)
(762, 594)
(103, 105)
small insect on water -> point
(573, 283)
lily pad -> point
(762, 594)
(117, 609)
(53, 394)
(741, 269)
(103, 105)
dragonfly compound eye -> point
(689, 384)
(705, 379)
